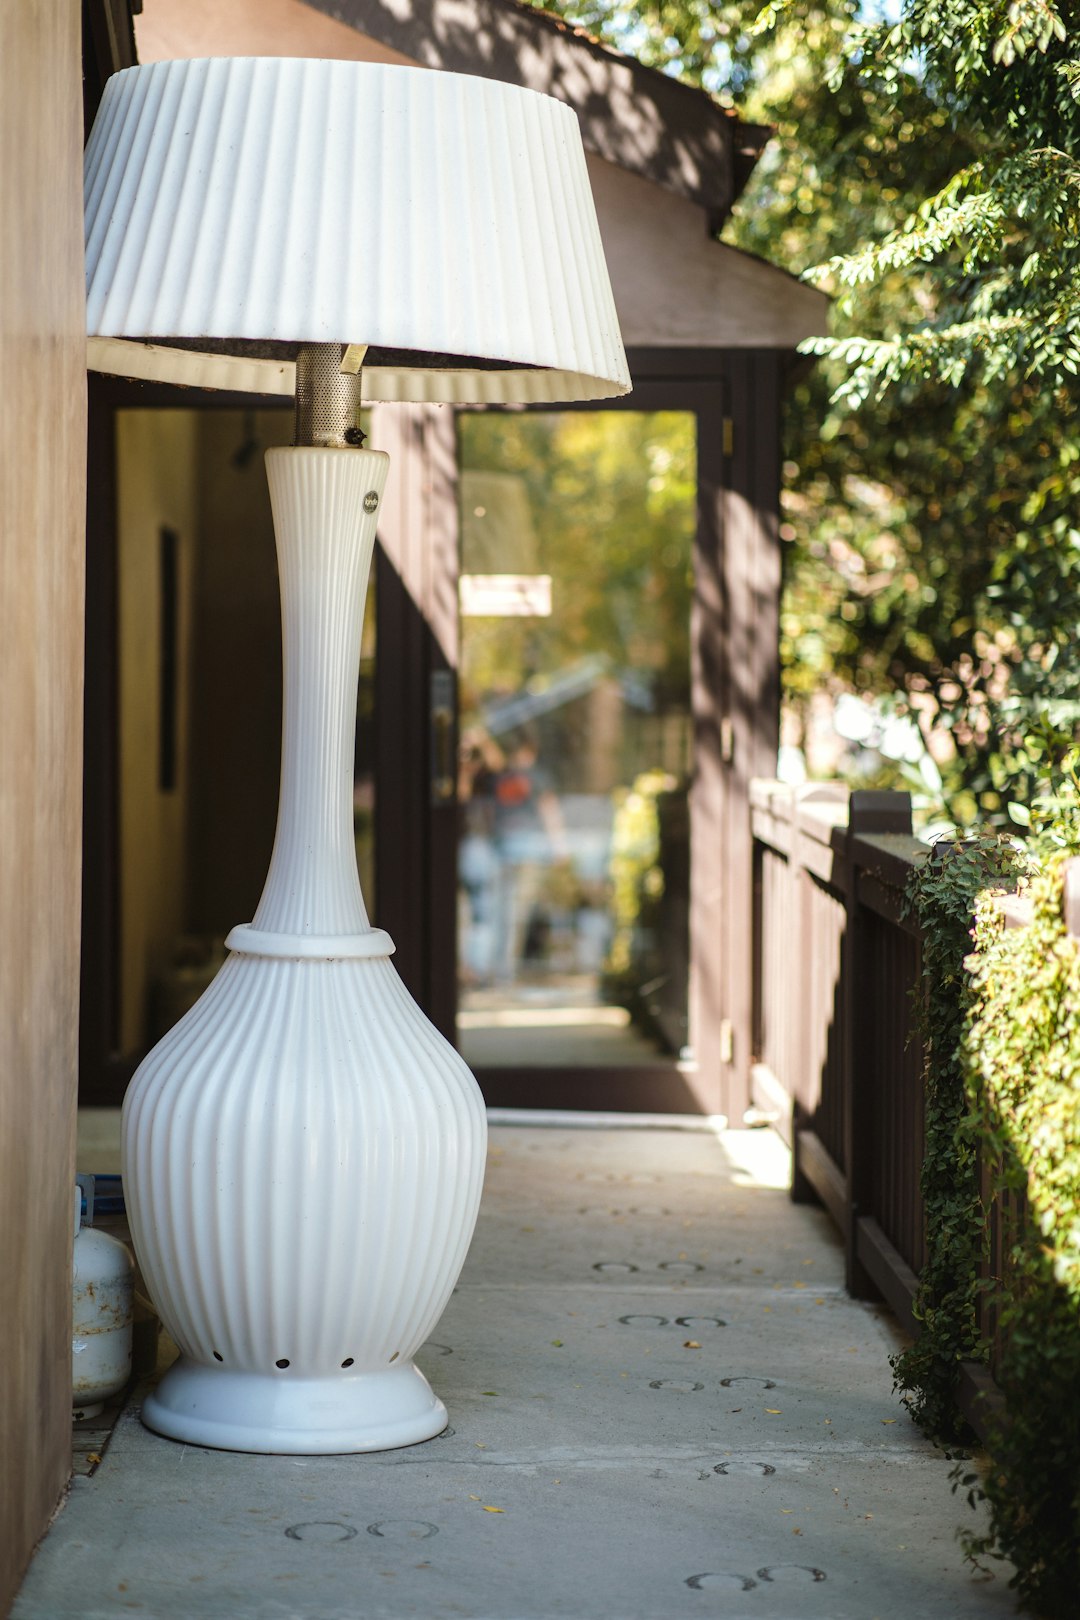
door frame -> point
(415, 838)
(735, 396)
(735, 698)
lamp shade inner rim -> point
(374, 359)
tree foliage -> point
(1000, 238)
(922, 171)
(604, 504)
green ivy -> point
(942, 893)
(1000, 1026)
(1022, 1060)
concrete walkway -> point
(662, 1404)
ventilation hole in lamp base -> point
(218, 1356)
(283, 1363)
(347, 1362)
(395, 1355)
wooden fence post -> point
(870, 814)
(819, 808)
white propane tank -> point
(103, 1293)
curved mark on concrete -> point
(322, 1530)
(720, 1581)
(403, 1530)
(791, 1574)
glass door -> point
(577, 534)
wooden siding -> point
(416, 587)
(737, 707)
(42, 493)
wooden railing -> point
(838, 1058)
(838, 1061)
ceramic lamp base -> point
(245, 1411)
(303, 1152)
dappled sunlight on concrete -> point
(662, 1402)
(756, 1158)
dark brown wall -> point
(236, 665)
(416, 575)
(42, 495)
(749, 692)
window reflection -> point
(577, 533)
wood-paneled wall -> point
(416, 588)
(42, 514)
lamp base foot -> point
(232, 1410)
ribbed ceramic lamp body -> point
(303, 1153)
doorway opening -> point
(577, 539)
(589, 548)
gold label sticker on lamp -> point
(371, 501)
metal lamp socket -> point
(327, 399)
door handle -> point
(443, 707)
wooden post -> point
(797, 1004)
(42, 509)
(869, 813)
(740, 671)
(416, 667)
(811, 865)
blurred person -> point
(479, 764)
(529, 837)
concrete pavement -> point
(662, 1403)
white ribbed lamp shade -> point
(237, 208)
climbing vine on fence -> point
(942, 893)
(1022, 1060)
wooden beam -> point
(42, 508)
(736, 695)
(980, 1400)
(894, 1278)
(416, 590)
(99, 1019)
(710, 813)
(108, 46)
(826, 1177)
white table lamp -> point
(303, 1153)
